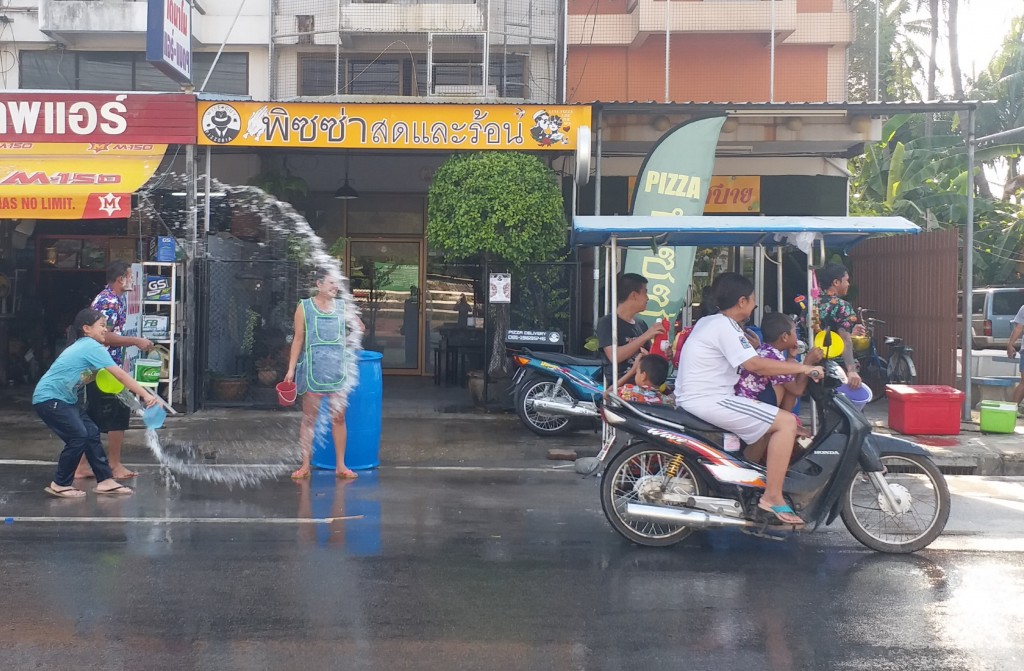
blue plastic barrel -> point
(363, 420)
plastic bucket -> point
(286, 393)
(147, 371)
(154, 416)
(860, 396)
(362, 419)
(107, 383)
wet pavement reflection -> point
(423, 568)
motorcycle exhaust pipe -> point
(683, 516)
(559, 407)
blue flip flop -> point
(775, 511)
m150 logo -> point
(52, 117)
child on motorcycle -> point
(707, 376)
(649, 373)
(780, 344)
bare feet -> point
(301, 474)
(346, 474)
(122, 473)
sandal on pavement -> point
(64, 492)
(777, 512)
(301, 474)
(346, 474)
(125, 474)
(120, 490)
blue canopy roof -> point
(731, 231)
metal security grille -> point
(246, 318)
(503, 49)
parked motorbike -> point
(676, 476)
(556, 393)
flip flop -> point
(120, 490)
(66, 493)
(299, 475)
(346, 474)
(127, 474)
(776, 511)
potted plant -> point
(504, 206)
(233, 387)
(266, 371)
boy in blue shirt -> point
(56, 401)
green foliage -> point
(503, 205)
(900, 59)
(542, 300)
(281, 185)
(252, 320)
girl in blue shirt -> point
(56, 400)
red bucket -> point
(286, 393)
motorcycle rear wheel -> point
(638, 466)
(542, 424)
(873, 374)
(900, 370)
(864, 510)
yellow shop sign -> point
(394, 126)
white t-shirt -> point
(710, 360)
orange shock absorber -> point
(673, 466)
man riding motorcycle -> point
(707, 375)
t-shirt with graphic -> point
(627, 334)
(115, 309)
(752, 385)
(710, 360)
(835, 313)
(634, 393)
(76, 366)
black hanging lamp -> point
(345, 191)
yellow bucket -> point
(835, 347)
(861, 343)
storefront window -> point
(127, 71)
(390, 214)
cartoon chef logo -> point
(548, 130)
(221, 123)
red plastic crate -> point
(930, 410)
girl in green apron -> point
(320, 364)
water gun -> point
(660, 346)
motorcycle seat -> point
(566, 359)
(677, 416)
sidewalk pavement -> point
(424, 423)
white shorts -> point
(747, 418)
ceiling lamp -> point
(345, 191)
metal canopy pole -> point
(966, 345)
(614, 312)
(597, 212)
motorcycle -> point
(556, 393)
(677, 475)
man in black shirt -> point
(634, 334)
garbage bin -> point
(363, 420)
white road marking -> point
(9, 519)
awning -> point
(73, 181)
(732, 231)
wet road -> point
(462, 568)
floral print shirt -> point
(751, 384)
(115, 309)
(836, 313)
(637, 394)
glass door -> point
(385, 278)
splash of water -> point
(249, 459)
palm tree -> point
(900, 59)
(954, 49)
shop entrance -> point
(386, 276)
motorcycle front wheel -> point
(900, 370)
(922, 511)
(639, 474)
(542, 424)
